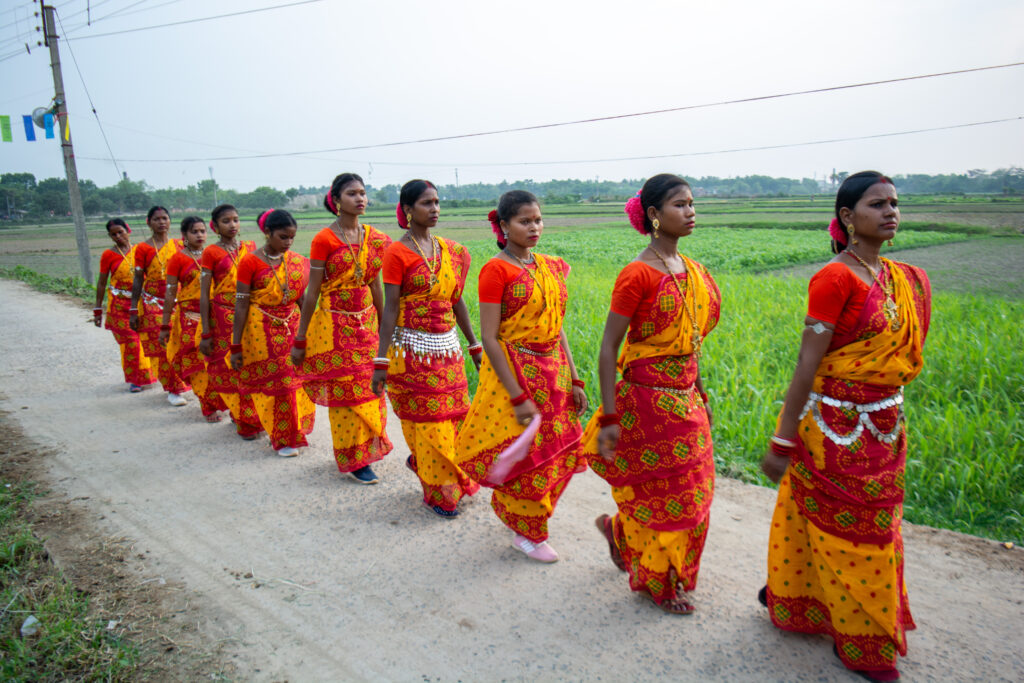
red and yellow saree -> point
(530, 333)
(663, 473)
(267, 374)
(426, 379)
(223, 268)
(341, 343)
(135, 363)
(835, 557)
(153, 264)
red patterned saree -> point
(134, 362)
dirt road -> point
(302, 574)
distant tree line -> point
(22, 196)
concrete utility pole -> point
(77, 213)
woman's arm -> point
(101, 289)
(392, 298)
(615, 328)
(205, 345)
(308, 305)
(699, 383)
(377, 293)
(165, 322)
(813, 345)
(490, 323)
(241, 314)
(133, 310)
(579, 396)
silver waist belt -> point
(863, 411)
(426, 343)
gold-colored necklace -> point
(536, 285)
(273, 271)
(695, 335)
(890, 309)
(434, 254)
(357, 267)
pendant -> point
(891, 312)
(359, 272)
(432, 281)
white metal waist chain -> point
(864, 410)
(427, 344)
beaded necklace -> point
(890, 309)
(536, 285)
(695, 335)
(357, 267)
(434, 249)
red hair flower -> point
(403, 222)
(496, 227)
(330, 203)
(634, 210)
(836, 231)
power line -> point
(633, 158)
(88, 96)
(193, 21)
(690, 107)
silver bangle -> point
(783, 442)
(241, 295)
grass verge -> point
(71, 286)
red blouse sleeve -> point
(107, 260)
(629, 290)
(175, 264)
(247, 267)
(144, 255)
(393, 269)
(324, 244)
(211, 255)
(828, 292)
(492, 280)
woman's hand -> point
(579, 398)
(378, 382)
(525, 412)
(298, 355)
(163, 337)
(97, 319)
(133, 320)
(206, 347)
(774, 466)
(711, 417)
(476, 360)
(236, 361)
(607, 440)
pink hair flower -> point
(634, 210)
(403, 222)
(496, 227)
(330, 203)
(836, 231)
(262, 220)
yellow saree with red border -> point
(151, 312)
(426, 378)
(267, 373)
(341, 343)
(222, 377)
(663, 473)
(135, 363)
(530, 329)
(835, 557)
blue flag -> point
(48, 125)
(30, 131)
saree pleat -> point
(529, 332)
(151, 312)
(341, 341)
(267, 374)
(835, 557)
(662, 475)
(428, 391)
(183, 342)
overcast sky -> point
(335, 74)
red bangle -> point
(298, 343)
(579, 383)
(783, 451)
(608, 419)
(165, 328)
(377, 365)
(98, 309)
(207, 335)
(476, 350)
(520, 399)
(236, 348)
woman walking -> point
(419, 354)
(217, 314)
(117, 268)
(337, 334)
(148, 293)
(270, 286)
(653, 431)
(527, 373)
(179, 330)
(835, 557)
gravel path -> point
(309, 576)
